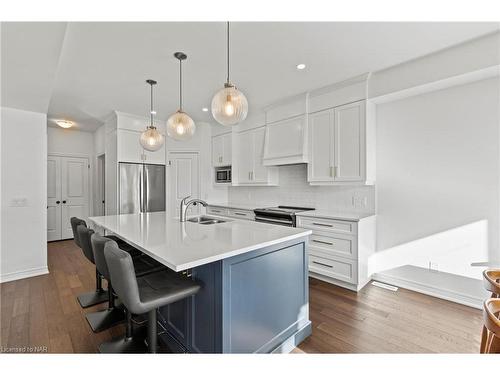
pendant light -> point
(229, 105)
(151, 139)
(180, 126)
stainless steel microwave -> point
(223, 175)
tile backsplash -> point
(294, 190)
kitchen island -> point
(254, 277)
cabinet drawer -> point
(338, 226)
(220, 211)
(341, 245)
(334, 267)
(241, 214)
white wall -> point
(438, 180)
(23, 179)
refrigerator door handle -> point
(141, 192)
(145, 180)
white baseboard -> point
(12, 276)
(433, 291)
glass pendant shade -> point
(229, 106)
(180, 126)
(151, 139)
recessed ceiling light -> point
(301, 66)
(204, 109)
(65, 124)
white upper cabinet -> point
(339, 146)
(130, 149)
(221, 150)
(249, 168)
(286, 132)
(320, 168)
(349, 142)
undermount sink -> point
(206, 220)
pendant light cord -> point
(151, 111)
(227, 51)
(180, 85)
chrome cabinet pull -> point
(240, 214)
(322, 264)
(324, 242)
(323, 225)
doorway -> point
(184, 180)
(67, 194)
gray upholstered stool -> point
(104, 319)
(142, 295)
(99, 295)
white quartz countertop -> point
(181, 246)
(336, 215)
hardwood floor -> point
(42, 313)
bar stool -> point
(142, 295)
(104, 319)
(99, 295)
(491, 282)
(491, 310)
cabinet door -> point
(227, 149)
(155, 157)
(260, 172)
(129, 147)
(349, 144)
(320, 167)
(245, 156)
(217, 151)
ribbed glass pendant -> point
(151, 139)
(229, 105)
(180, 126)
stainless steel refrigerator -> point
(142, 188)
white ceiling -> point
(83, 71)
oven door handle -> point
(274, 221)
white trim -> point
(12, 276)
(433, 291)
(461, 79)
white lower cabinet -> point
(231, 212)
(339, 249)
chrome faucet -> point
(185, 206)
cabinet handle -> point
(64, 202)
(215, 211)
(324, 242)
(331, 171)
(239, 213)
(251, 175)
(323, 225)
(322, 264)
(57, 202)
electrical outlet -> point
(433, 266)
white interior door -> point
(183, 176)
(53, 198)
(74, 192)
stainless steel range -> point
(281, 215)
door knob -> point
(57, 202)
(64, 201)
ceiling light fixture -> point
(229, 105)
(301, 66)
(204, 109)
(180, 126)
(151, 139)
(65, 123)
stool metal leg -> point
(104, 319)
(132, 342)
(94, 298)
(152, 331)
